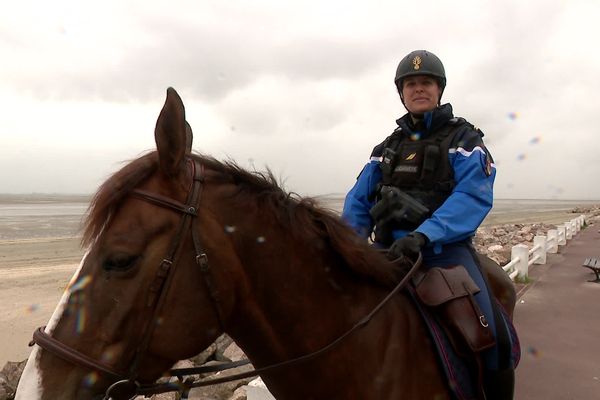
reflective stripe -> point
(467, 153)
(464, 152)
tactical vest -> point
(421, 171)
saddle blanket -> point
(462, 373)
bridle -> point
(158, 288)
(128, 380)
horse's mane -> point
(303, 217)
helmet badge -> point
(417, 62)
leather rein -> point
(157, 296)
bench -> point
(594, 265)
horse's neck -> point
(299, 303)
(298, 299)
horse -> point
(182, 248)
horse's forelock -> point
(112, 192)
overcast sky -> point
(303, 87)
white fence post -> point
(539, 254)
(518, 267)
(562, 235)
(521, 252)
(552, 246)
(569, 229)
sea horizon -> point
(50, 215)
(81, 197)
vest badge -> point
(411, 156)
(417, 62)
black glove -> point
(408, 246)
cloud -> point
(304, 87)
(210, 55)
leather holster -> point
(449, 292)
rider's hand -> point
(408, 246)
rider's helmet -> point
(420, 62)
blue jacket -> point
(470, 201)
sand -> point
(33, 276)
(34, 273)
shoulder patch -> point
(486, 161)
(487, 169)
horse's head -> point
(144, 296)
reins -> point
(157, 295)
(168, 387)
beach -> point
(33, 276)
(40, 250)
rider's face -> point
(421, 93)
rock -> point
(4, 394)
(234, 353)
(222, 391)
(9, 378)
(186, 364)
(239, 394)
(206, 355)
(526, 229)
(257, 390)
(222, 343)
(496, 247)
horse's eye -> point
(119, 262)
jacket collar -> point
(431, 122)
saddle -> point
(459, 331)
(448, 293)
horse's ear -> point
(173, 134)
(189, 137)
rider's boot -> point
(500, 385)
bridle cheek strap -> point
(159, 288)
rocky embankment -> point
(494, 241)
(223, 350)
(497, 241)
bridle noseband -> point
(157, 295)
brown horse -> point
(182, 248)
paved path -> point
(558, 321)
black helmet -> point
(420, 62)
